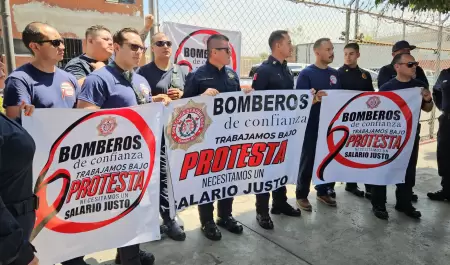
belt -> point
(24, 207)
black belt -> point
(24, 207)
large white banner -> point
(233, 144)
(97, 178)
(366, 137)
(190, 44)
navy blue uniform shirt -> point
(17, 149)
(273, 75)
(441, 91)
(43, 90)
(160, 81)
(356, 79)
(209, 76)
(388, 72)
(107, 88)
(394, 84)
(80, 66)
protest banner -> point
(366, 137)
(190, 44)
(233, 144)
(97, 179)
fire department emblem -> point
(373, 102)
(333, 79)
(145, 89)
(67, 90)
(107, 126)
(187, 125)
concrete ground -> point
(348, 234)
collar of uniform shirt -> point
(347, 67)
(215, 67)
(128, 75)
(273, 60)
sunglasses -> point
(162, 43)
(227, 49)
(410, 64)
(136, 47)
(54, 43)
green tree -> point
(420, 5)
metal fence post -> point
(153, 9)
(356, 19)
(347, 21)
(404, 31)
(7, 36)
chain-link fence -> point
(376, 28)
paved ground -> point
(348, 234)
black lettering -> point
(218, 106)
(64, 154)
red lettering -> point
(189, 162)
(220, 159)
(123, 185)
(140, 181)
(243, 155)
(112, 180)
(132, 175)
(82, 191)
(73, 189)
(93, 187)
(350, 140)
(257, 154)
(279, 158)
(232, 159)
(105, 179)
(204, 162)
(270, 152)
(357, 141)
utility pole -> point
(153, 9)
(7, 36)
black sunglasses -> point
(161, 43)
(54, 43)
(136, 47)
(411, 64)
(227, 49)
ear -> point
(116, 47)
(33, 46)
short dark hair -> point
(320, 41)
(276, 36)
(215, 37)
(32, 33)
(352, 45)
(398, 57)
(94, 29)
(119, 38)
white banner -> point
(366, 137)
(233, 144)
(97, 178)
(190, 44)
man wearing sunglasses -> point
(405, 66)
(211, 79)
(99, 50)
(40, 82)
(115, 86)
(168, 79)
(274, 74)
(441, 96)
(388, 72)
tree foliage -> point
(420, 5)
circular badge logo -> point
(99, 181)
(368, 131)
(333, 79)
(67, 89)
(188, 125)
(145, 89)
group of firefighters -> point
(107, 76)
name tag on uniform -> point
(207, 78)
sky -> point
(256, 19)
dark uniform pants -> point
(224, 209)
(130, 255)
(443, 151)
(262, 200)
(404, 191)
(355, 185)
(307, 164)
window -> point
(74, 48)
(122, 1)
(19, 47)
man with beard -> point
(116, 86)
(275, 74)
(316, 77)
